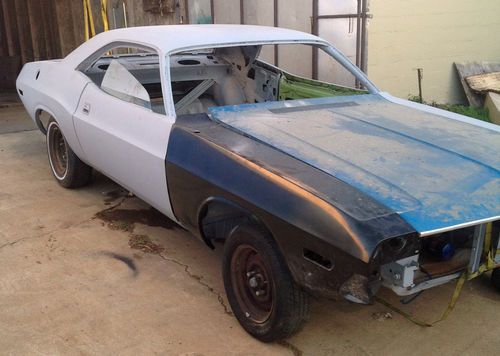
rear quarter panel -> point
(54, 87)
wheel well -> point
(218, 217)
(42, 118)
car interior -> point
(207, 78)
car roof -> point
(172, 38)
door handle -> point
(86, 108)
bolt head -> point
(253, 282)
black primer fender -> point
(307, 211)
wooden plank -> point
(9, 14)
(4, 49)
(45, 19)
(36, 28)
(131, 17)
(467, 69)
(78, 23)
(484, 83)
(96, 11)
(54, 30)
(24, 31)
(116, 14)
(9, 67)
(65, 27)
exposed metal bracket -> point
(401, 291)
(400, 273)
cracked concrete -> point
(71, 283)
(158, 250)
(199, 279)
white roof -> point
(171, 38)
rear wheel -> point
(261, 291)
(66, 167)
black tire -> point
(268, 311)
(66, 167)
(495, 279)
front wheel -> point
(261, 291)
(66, 167)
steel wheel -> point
(66, 167)
(252, 283)
(58, 152)
(264, 298)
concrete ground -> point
(95, 271)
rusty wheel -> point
(252, 283)
(67, 168)
(265, 299)
(58, 152)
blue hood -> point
(434, 171)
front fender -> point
(207, 160)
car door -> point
(123, 138)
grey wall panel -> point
(260, 12)
(227, 11)
(295, 14)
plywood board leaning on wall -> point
(484, 83)
(467, 69)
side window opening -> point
(118, 81)
(130, 74)
(240, 75)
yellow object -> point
(489, 251)
(85, 20)
(489, 254)
(104, 14)
(447, 311)
(88, 18)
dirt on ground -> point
(97, 271)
